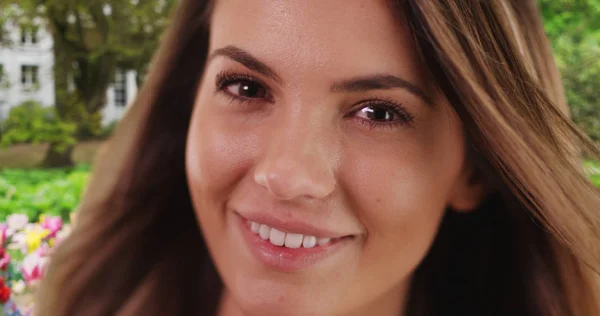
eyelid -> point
(228, 77)
(405, 117)
(390, 104)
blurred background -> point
(69, 69)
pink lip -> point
(282, 258)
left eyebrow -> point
(243, 57)
(379, 82)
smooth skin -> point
(380, 160)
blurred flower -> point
(17, 221)
(62, 234)
(30, 226)
(3, 229)
(18, 287)
(43, 250)
(33, 267)
(34, 238)
(11, 309)
(36, 241)
(4, 294)
(4, 291)
(52, 223)
(4, 260)
(18, 241)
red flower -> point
(4, 294)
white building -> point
(26, 69)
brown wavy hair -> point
(531, 249)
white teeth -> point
(255, 227)
(277, 237)
(293, 240)
(323, 241)
(289, 240)
(264, 232)
(309, 241)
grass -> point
(28, 156)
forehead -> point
(345, 37)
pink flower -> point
(4, 261)
(43, 250)
(3, 228)
(33, 267)
(53, 224)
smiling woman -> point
(346, 157)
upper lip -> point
(291, 225)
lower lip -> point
(286, 259)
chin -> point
(266, 296)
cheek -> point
(218, 151)
(218, 154)
(401, 192)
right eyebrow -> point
(380, 82)
(243, 57)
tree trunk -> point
(58, 159)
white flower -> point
(17, 221)
(18, 287)
(19, 241)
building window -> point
(29, 75)
(29, 35)
(120, 88)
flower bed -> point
(25, 249)
(35, 215)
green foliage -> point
(573, 27)
(91, 40)
(593, 168)
(73, 109)
(33, 192)
(30, 122)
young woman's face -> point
(320, 159)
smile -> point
(292, 248)
(289, 240)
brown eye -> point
(383, 113)
(247, 89)
(377, 113)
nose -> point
(298, 161)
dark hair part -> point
(137, 248)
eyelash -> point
(225, 78)
(404, 117)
